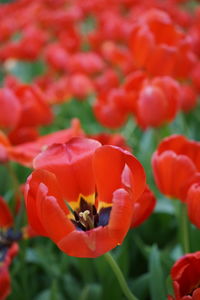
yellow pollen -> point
(84, 214)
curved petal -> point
(174, 143)
(53, 219)
(39, 185)
(137, 175)
(72, 165)
(109, 163)
(143, 207)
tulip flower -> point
(176, 164)
(156, 41)
(81, 195)
(107, 110)
(186, 277)
(153, 101)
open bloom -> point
(176, 164)
(186, 277)
(81, 195)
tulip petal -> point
(40, 184)
(72, 164)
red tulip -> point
(176, 164)
(57, 57)
(80, 86)
(153, 101)
(101, 210)
(155, 41)
(186, 276)
(35, 109)
(86, 63)
(107, 110)
(106, 81)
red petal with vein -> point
(72, 165)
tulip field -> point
(99, 150)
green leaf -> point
(140, 286)
(90, 292)
(157, 286)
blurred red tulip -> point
(176, 164)
(57, 57)
(186, 276)
(107, 110)
(153, 101)
(156, 41)
(35, 109)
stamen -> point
(84, 214)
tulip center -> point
(193, 288)
(86, 216)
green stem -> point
(19, 220)
(185, 237)
(120, 277)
